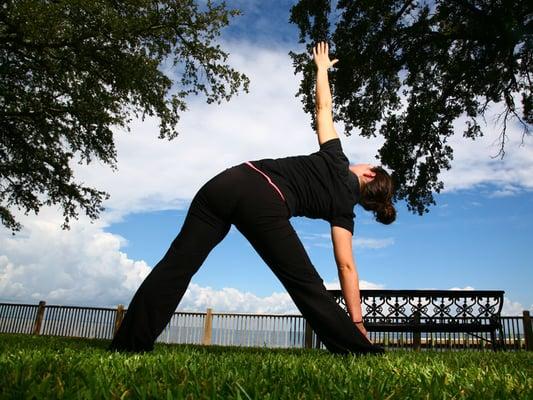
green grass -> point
(53, 367)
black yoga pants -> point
(243, 197)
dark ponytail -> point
(376, 196)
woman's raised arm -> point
(323, 102)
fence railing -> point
(236, 329)
(76, 321)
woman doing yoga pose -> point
(259, 198)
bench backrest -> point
(429, 304)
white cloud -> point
(324, 240)
(370, 243)
(514, 308)
(199, 298)
(362, 285)
(506, 191)
(82, 266)
(474, 164)
(464, 288)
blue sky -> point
(478, 235)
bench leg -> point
(495, 344)
(417, 341)
(417, 334)
(501, 342)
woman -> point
(259, 197)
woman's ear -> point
(369, 175)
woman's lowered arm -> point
(348, 277)
(323, 101)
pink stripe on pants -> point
(267, 178)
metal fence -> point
(75, 321)
(184, 327)
(259, 330)
(237, 329)
(17, 318)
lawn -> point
(53, 367)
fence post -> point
(119, 316)
(417, 336)
(39, 318)
(528, 331)
(208, 327)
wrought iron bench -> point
(417, 311)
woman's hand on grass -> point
(362, 329)
(321, 57)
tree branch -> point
(472, 8)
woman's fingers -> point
(320, 55)
(321, 48)
(318, 49)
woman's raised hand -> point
(321, 57)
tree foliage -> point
(70, 70)
(409, 69)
